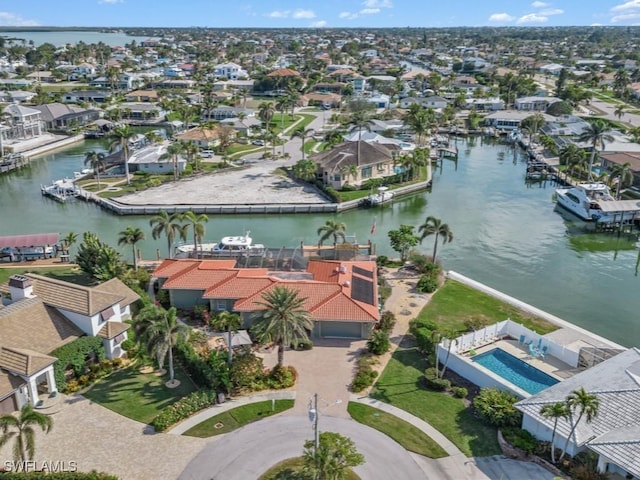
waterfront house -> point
(614, 434)
(434, 101)
(508, 120)
(140, 111)
(42, 314)
(484, 104)
(341, 296)
(16, 96)
(19, 123)
(206, 137)
(142, 96)
(534, 104)
(616, 159)
(155, 160)
(222, 112)
(230, 71)
(94, 96)
(84, 71)
(61, 117)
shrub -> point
(382, 260)
(302, 345)
(387, 321)
(247, 372)
(184, 408)
(162, 297)
(128, 345)
(427, 284)
(476, 323)
(520, 438)
(281, 377)
(365, 374)
(497, 407)
(348, 188)
(424, 264)
(198, 368)
(75, 355)
(379, 343)
(435, 383)
(424, 339)
(459, 392)
(72, 386)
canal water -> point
(507, 233)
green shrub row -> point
(184, 408)
(75, 355)
(198, 369)
(520, 438)
(96, 371)
(365, 374)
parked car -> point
(258, 142)
(206, 153)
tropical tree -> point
(622, 175)
(402, 240)
(160, 331)
(119, 138)
(99, 260)
(619, 111)
(131, 236)
(332, 228)
(265, 113)
(196, 222)
(303, 134)
(434, 226)
(281, 106)
(621, 81)
(282, 319)
(350, 171)
(332, 138)
(359, 121)
(96, 161)
(305, 169)
(69, 240)
(173, 153)
(556, 411)
(22, 431)
(533, 124)
(231, 322)
(169, 225)
(595, 134)
(587, 406)
(332, 458)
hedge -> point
(75, 355)
(184, 408)
(198, 369)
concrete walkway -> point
(191, 422)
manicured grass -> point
(139, 396)
(67, 273)
(401, 385)
(291, 470)
(602, 242)
(454, 303)
(411, 438)
(238, 417)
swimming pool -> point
(514, 370)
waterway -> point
(63, 37)
(507, 234)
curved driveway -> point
(250, 451)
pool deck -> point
(549, 365)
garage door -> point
(340, 329)
(8, 405)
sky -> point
(317, 13)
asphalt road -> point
(250, 451)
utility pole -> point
(313, 416)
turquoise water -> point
(515, 371)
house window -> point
(366, 172)
(337, 177)
(107, 314)
(221, 305)
(380, 167)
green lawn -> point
(400, 385)
(454, 302)
(237, 417)
(411, 438)
(67, 273)
(139, 396)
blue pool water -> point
(514, 370)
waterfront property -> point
(42, 314)
(341, 296)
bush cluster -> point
(74, 355)
(520, 438)
(497, 407)
(459, 392)
(184, 408)
(302, 345)
(247, 374)
(429, 281)
(96, 371)
(434, 382)
(365, 374)
(387, 321)
(379, 343)
(198, 368)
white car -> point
(260, 143)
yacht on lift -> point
(593, 201)
(227, 247)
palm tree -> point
(622, 175)
(533, 124)
(595, 134)
(96, 162)
(197, 223)
(350, 171)
(334, 229)
(265, 113)
(231, 322)
(556, 411)
(119, 138)
(619, 111)
(160, 330)
(283, 319)
(173, 152)
(21, 430)
(588, 406)
(281, 106)
(434, 226)
(359, 121)
(305, 169)
(169, 225)
(131, 236)
(303, 134)
(70, 239)
(332, 138)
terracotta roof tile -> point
(314, 293)
(238, 287)
(341, 308)
(198, 279)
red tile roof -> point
(239, 287)
(171, 267)
(198, 279)
(284, 72)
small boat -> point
(226, 247)
(584, 201)
(61, 190)
(82, 173)
(383, 196)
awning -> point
(36, 240)
(619, 206)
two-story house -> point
(230, 71)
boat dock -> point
(61, 190)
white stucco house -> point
(154, 159)
(230, 71)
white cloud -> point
(377, 3)
(8, 19)
(630, 5)
(539, 4)
(501, 17)
(551, 11)
(110, 2)
(279, 14)
(626, 17)
(532, 18)
(304, 14)
(369, 11)
(318, 24)
(348, 15)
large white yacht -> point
(585, 200)
(226, 247)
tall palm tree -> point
(595, 134)
(283, 319)
(196, 222)
(160, 330)
(556, 411)
(169, 225)
(131, 236)
(231, 322)
(587, 405)
(119, 138)
(265, 113)
(619, 111)
(332, 138)
(303, 134)
(622, 175)
(21, 430)
(173, 153)
(332, 228)
(70, 239)
(434, 226)
(281, 106)
(96, 161)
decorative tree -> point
(21, 430)
(131, 236)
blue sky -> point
(314, 13)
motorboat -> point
(226, 247)
(61, 190)
(383, 196)
(585, 200)
(82, 173)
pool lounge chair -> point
(533, 351)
